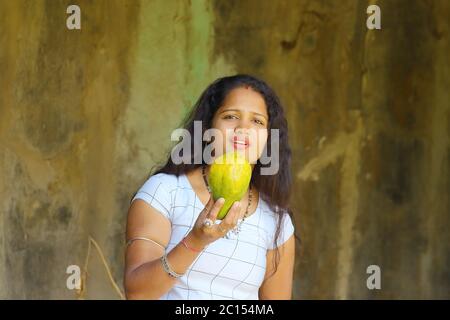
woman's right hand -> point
(201, 235)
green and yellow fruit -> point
(229, 178)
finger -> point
(222, 229)
(229, 218)
(213, 213)
(216, 208)
(237, 216)
(207, 208)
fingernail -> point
(221, 200)
(237, 204)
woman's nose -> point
(243, 126)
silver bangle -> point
(145, 239)
(168, 269)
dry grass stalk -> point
(83, 288)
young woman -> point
(177, 249)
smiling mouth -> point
(240, 143)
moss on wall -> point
(85, 114)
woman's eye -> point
(259, 122)
(230, 116)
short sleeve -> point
(156, 193)
(286, 231)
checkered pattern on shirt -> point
(228, 268)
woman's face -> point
(243, 123)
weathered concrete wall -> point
(84, 115)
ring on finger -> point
(208, 223)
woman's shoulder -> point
(157, 191)
(271, 220)
(267, 210)
(168, 180)
(161, 184)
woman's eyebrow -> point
(259, 114)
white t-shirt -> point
(231, 268)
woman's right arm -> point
(145, 277)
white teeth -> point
(240, 142)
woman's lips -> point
(240, 143)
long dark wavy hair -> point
(274, 189)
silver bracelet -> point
(145, 239)
(168, 269)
